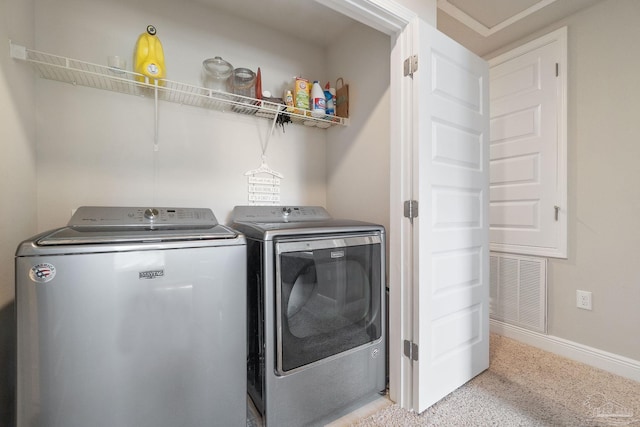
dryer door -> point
(328, 297)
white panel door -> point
(528, 207)
(451, 254)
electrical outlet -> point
(583, 300)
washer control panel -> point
(277, 214)
(111, 217)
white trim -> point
(393, 19)
(400, 242)
(559, 34)
(538, 251)
(614, 363)
(386, 16)
(482, 29)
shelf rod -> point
(156, 147)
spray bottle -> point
(330, 96)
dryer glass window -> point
(329, 295)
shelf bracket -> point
(16, 51)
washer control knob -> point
(151, 213)
(286, 211)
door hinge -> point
(557, 69)
(410, 65)
(411, 209)
(411, 350)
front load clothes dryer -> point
(132, 317)
(316, 312)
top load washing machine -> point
(132, 317)
(316, 313)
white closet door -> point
(451, 247)
(528, 178)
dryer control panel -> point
(277, 214)
(132, 218)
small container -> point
(318, 101)
(243, 82)
(116, 64)
(301, 92)
(216, 73)
(330, 110)
(288, 100)
(258, 89)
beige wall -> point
(425, 9)
(358, 158)
(17, 179)
(603, 180)
(96, 147)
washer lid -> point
(72, 236)
(107, 225)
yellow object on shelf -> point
(148, 58)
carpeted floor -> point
(525, 386)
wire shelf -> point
(73, 71)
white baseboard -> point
(609, 362)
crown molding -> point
(480, 28)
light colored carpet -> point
(525, 386)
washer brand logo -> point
(337, 254)
(42, 273)
(151, 274)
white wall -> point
(17, 179)
(604, 181)
(96, 147)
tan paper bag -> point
(342, 98)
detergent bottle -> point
(329, 94)
(148, 57)
(318, 101)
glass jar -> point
(243, 82)
(216, 73)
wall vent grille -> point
(519, 291)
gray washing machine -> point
(316, 313)
(132, 317)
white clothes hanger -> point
(264, 168)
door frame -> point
(393, 19)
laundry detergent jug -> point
(148, 57)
